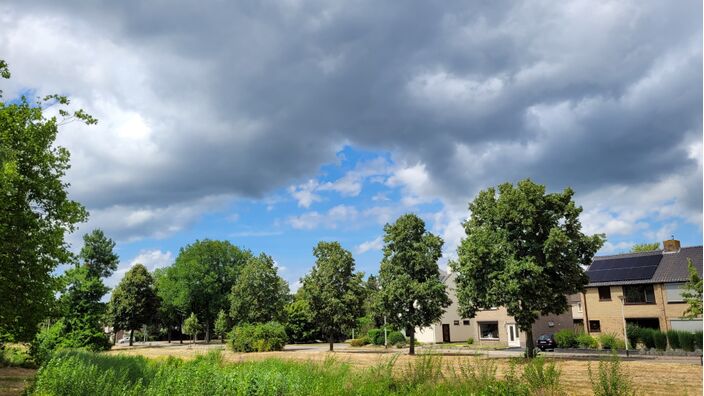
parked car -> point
(546, 341)
(124, 340)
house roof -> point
(645, 267)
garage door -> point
(687, 325)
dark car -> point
(546, 341)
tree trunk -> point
(412, 349)
(180, 332)
(131, 336)
(207, 332)
(168, 333)
(331, 340)
(530, 343)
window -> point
(489, 331)
(594, 326)
(579, 307)
(639, 294)
(673, 292)
(465, 322)
(604, 293)
(456, 323)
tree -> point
(333, 291)
(82, 310)
(191, 326)
(97, 253)
(221, 325)
(300, 322)
(692, 292)
(523, 250)
(35, 210)
(134, 302)
(371, 299)
(645, 247)
(411, 293)
(203, 275)
(259, 293)
(173, 304)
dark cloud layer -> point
(244, 97)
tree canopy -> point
(35, 210)
(259, 293)
(645, 247)
(202, 278)
(412, 294)
(97, 253)
(524, 250)
(333, 291)
(134, 302)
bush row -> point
(649, 338)
(568, 338)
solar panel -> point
(623, 268)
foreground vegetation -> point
(85, 373)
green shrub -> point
(586, 341)
(698, 338)
(258, 337)
(470, 341)
(376, 336)
(610, 341)
(358, 342)
(542, 378)
(566, 338)
(633, 335)
(660, 340)
(396, 338)
(673, 338)
(647, 337)
(611, 379)
(686, 340)
(46, 342)
(16, 356)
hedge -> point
(258, 337)
(566, 338)
(586, 341)
(660, 339)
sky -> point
(278, 124)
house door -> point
(445, 333)
(512, 331)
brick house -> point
(644, 288)
(493, 326)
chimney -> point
(671, 246)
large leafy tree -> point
(173, 301)
(203, 275)
(98, 255)
(524, 250)
(35, 210)
(411, 294)
(692, 292)
(334, 291)
(134, 302)
(259, 293)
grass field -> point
(650, 377)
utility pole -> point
(386, 343)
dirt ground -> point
(652, 377)
(13, 380)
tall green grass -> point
(86, 373)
